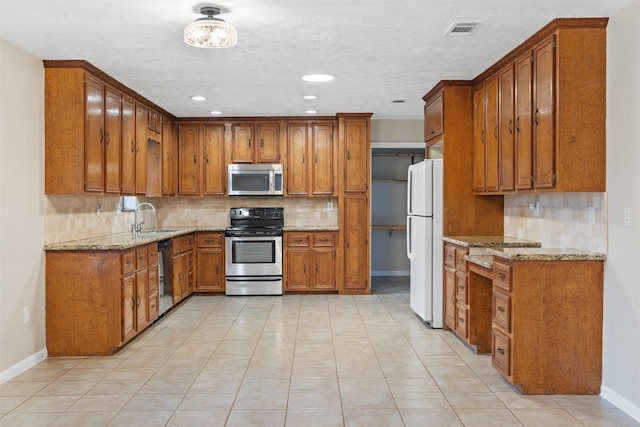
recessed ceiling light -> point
(215, 112)
(309, 96)
(317, 78)
(198, 98)
(311, 111)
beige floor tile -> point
(141, 418)
(487, 418)
(460, 384)
(416, 417)
(39, 419)
(546, 417)
(83, 419)
(513, 400)
(9, 403)
(418, 400)
(485, 400)
(603, 417)
(576, 401)
(154, 402)
(22, 388)
(130, 374)
(47, 404)
(173, 373)
(326, 417)
(408, 367)
(116, 387)
(372, 417)
(265, 385)
(304, 383)
(100, 402)
(207, 402)
(48, 374)
(412, 385)
(256, 418)
(261, 401)
(67, 388)
(364, 369)
(215, 385)
(314, 400)
(366, 393)
(198, 418)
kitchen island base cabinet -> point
(547, 325)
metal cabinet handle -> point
(510, 130)
(501, 309)
(195, 158)
(217, 270)
(501, 275)
(133, 146)
(262, 142)
(535, 116)
(460, 319)
(304, 268)
(348, 155)
(495, 131)
(139, 301)
(207, 158)
(249, 142)
(108, 138)
(500, 350)
(518, 124)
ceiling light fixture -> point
(198, 98)
(215, 112)
(210, 32)
(310, 97)
(317, 78)
(311, 111)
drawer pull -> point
(323, 240)
(461, 287)
(502, 276)
(500, 350)
(461, 260)
(460, 319)
(208, 240)
(449, 256)
(501, 309)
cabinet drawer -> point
(502, 276)
(152, 254)
(461, 287)
(501, 310)
(324, 239)
(501, 352)
(461, 321)
(210, 240)
(297, 239)
(141, 257)
(128, 261)
(461, 263)
(450, 256)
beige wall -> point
(21, 210)
(397, 130)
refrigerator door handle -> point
(409, 192)
(409, 242)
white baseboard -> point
(620, 402)
(389, 273)
(22, 366)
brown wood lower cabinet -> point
(310, 261)
(183, 267)
(547, 325)
(96, 301)
(210, 262)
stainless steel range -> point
(253, 251)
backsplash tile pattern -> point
(76, 217)
(563, 220)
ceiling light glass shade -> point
(210, 32)
(317, 78)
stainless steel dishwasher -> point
(165, 275)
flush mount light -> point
(215, 112)
(198, 98)
(310, 97)
(210, 32)
(317, 78)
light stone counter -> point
(489, 241)
(311, 228)
(546, 254)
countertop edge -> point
(548, 254)
(490, 242)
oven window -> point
(250, 182)
(253, 252)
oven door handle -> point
(254, 278)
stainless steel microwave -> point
(255, 179)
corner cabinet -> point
(548, 96)
(354, 215)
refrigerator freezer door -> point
(419, 189)
(420, 295)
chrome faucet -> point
(137, 228)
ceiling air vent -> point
(462, 29)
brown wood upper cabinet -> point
(433, 119)
(550, 123)
(310, 159)
(201, 161)
(255, 143)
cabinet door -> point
(128, 307)
(356, 244)
(523, 140)
(142, 299)
(356, 155)
(506, 128)
(322, 176)
(128, 151)
(297, 270)
(297, 159)
(94, 136)
(214, 171)
(179, 276)
(479, 167)
(169, 157)
(323, 264)
(188, 160)
(210, 267)
(190, 282)
(268, 140)
(152, 275)
(450, 297)
(112, 124)
(141, 148)
(543, 115)
(491, 133)
(433, 118)
(242, 143)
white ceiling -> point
(378, 51)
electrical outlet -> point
(627, 217)
(592, 214)
(329, 205)
(25, 313)
(536, 211)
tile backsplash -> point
(78, 217)
(563, 220)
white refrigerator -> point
(424, 240)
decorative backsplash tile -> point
(78, 217)
(563, 220)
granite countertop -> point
(485, 261)
(546, 254)
(490, 241)
(311, 228)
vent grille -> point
(462, 29)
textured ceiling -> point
(378, 51)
